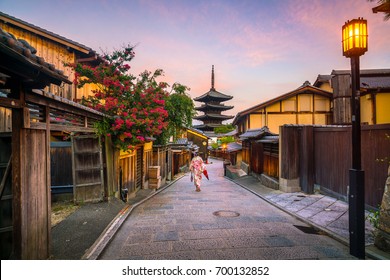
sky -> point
(260, 49)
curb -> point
(108, 233)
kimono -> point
(197, 166)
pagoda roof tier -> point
(205, 127)
(213, 117)
(213, 95)
(213, 107)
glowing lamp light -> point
(354, 37)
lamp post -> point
(354, 44)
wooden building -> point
(212, 109)
(25, 166)
(191, 140)
(312, 151)
(53, 49)
(132, 171)
(47, 48)
(199, 139)
(374, 96)
(260, 155)
(305, 105)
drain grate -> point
(308, 230)
(226, 213)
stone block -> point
(289, 185)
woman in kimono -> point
(197, 167)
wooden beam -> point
(9, 102)
(64, 105)
(48, 177)
(60, 127)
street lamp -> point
(354, 43)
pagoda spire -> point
(212, 78)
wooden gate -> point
(256, 157)
(61, 168)
(87, 169)
(6, 228)
(271, 159)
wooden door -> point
(87, 169)
(256, 157)
(61, 168)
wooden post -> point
(31, 188)
(306, 164)
(289, 159)
(48, 178)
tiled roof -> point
(208, 106)
(213, 95)
(20, 62)
(254, 133)
(212, 125)
(322, 79)
(213, 116)
(269, 139)
(364, 72)
(375, 82)
(233, 147)
(231, 133)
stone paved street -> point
(223, 221)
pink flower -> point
(129, 123)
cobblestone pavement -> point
(224, 221)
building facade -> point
(305, 105)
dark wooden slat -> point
(62, 104)
(5, 176)
(10, 102)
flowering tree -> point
(135, 107)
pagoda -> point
(212, 108)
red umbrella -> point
(206, 174)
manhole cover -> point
(226, 213)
